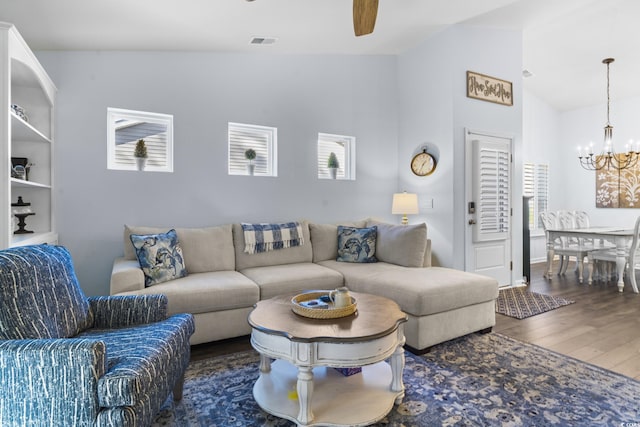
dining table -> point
(617, 237)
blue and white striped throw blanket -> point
(267, 237)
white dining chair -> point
(565, 247)
(608, 255)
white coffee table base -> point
(325, 397)
(301, 386)
(357, 400)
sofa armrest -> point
(126, 276)
(427, 254)
(127, 310)
(44, 381)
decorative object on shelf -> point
(20, 168)
(333, 164)
(404, 204)
(21, 210)
(140, 154)
(423, 164)
(487, 88)
(250, 154)
(608, 158)
(20, 112)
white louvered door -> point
(488, 216)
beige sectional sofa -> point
(224, 282)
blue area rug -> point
(477, 380)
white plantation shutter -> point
(536, 185)
(344, 147)
(262, 139)
(491, 181)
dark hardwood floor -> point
(602, 327)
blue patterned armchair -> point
(66, 359)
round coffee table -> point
(300, 385)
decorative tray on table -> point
(317, 305)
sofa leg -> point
(416, 351)
(485, 330)
(177, 388)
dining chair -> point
(582, 221)
(565, 247)
(632, 254)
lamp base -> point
(405, 220)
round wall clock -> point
(423, 164)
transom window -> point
(126, 127)
(262, 140)
(344, 148)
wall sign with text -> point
(487, 88)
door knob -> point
(472, 221)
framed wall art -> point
(487, 88)
(618, 188)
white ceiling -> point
(564, 40)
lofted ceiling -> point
(564, 40)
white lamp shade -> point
(404, 204)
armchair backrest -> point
(39, 294)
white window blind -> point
(344, 148)
(491, 187)
(536, 185)
(126, 127)
(262, 139)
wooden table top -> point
(375, 317)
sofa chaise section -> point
(442, 303)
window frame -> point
(347, 159)
(142, 117)
(535, 182)
(267, 133)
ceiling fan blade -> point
(364, 16)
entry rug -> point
(477, 380)
(520, 303)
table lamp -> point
(404, 204)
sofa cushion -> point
(292, 255)
(281, 279)
(418, 291)
(324, 239)
(160, 256)
(205, 292)
(401, 244)
(204, 249)
(357, 244)
(40, 296)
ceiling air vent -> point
(263, 40)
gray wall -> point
(434, 111)
(393, 105)
(300, 95)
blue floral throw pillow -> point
(160, 257)
(357, 244)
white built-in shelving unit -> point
(24, 82)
